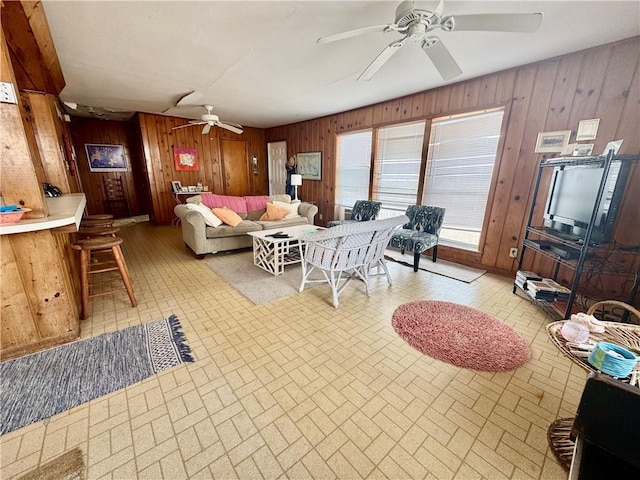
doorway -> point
(235, 168)
(277, 158)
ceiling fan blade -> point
(182, 126)
(231, 128)
(496, 22)
(441, 58)
(206, 129)
(196, 122)
(381, 59)
(353, 33)
(237, 125)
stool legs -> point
(85, 260)
(124, 272)
(101, 245)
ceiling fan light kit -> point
(210, 120)
(416, 24)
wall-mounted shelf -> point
(64, 210)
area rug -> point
(37, 386)
(259, 286)
(461, 336)
(440, 267)
(124, 222)
(68, 466)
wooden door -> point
(235, 167)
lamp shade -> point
(296, 179)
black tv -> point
(572, 198)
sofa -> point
(202, 238)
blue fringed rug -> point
(35, 387)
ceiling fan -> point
(416, 24)
(210, 120)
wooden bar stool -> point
(90, 232)
(87, 268)
(97, 220)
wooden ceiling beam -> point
(31, 47)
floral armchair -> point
(421, 233)
(363, 211)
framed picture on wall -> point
(176, 186)
(549, 142)
(185, 159)
(106, 158)
(309, 165)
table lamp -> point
(296, 181)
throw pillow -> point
(209, 217)
(228, 216)
(274, 213)
(292, 208)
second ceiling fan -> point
(210, 120)
(416, 24)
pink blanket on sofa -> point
(246, 204)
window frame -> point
(506, 113)
(493, 188)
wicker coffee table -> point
(273, 254)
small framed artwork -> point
(192, 188)
(106, 158)
(583, 150)
(615, 146)
(185, 159)
(176, 186)
(568, 150)
(549, 142)
(587, 129)
(309, 165)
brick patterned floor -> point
(297, 389)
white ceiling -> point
(258, 62)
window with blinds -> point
(354, 164)
(396, 170)
(460, 161)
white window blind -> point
(462, 154)
(397, 166)
(354, 166)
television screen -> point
(572, 198)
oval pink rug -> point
(460, 335)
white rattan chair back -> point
(347, 251)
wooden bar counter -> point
(39, 288)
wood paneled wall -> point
(89, 130)
(158, 140)
(555, 94)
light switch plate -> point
(7, 93)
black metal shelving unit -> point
(586, 250)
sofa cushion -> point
(255, 215)
(292, 208)
(274, 213)
(209, 217)
(228, 216)
(226, 231)
(286, 222)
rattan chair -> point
(346, 252)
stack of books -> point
(522, 277)
(546, 289)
